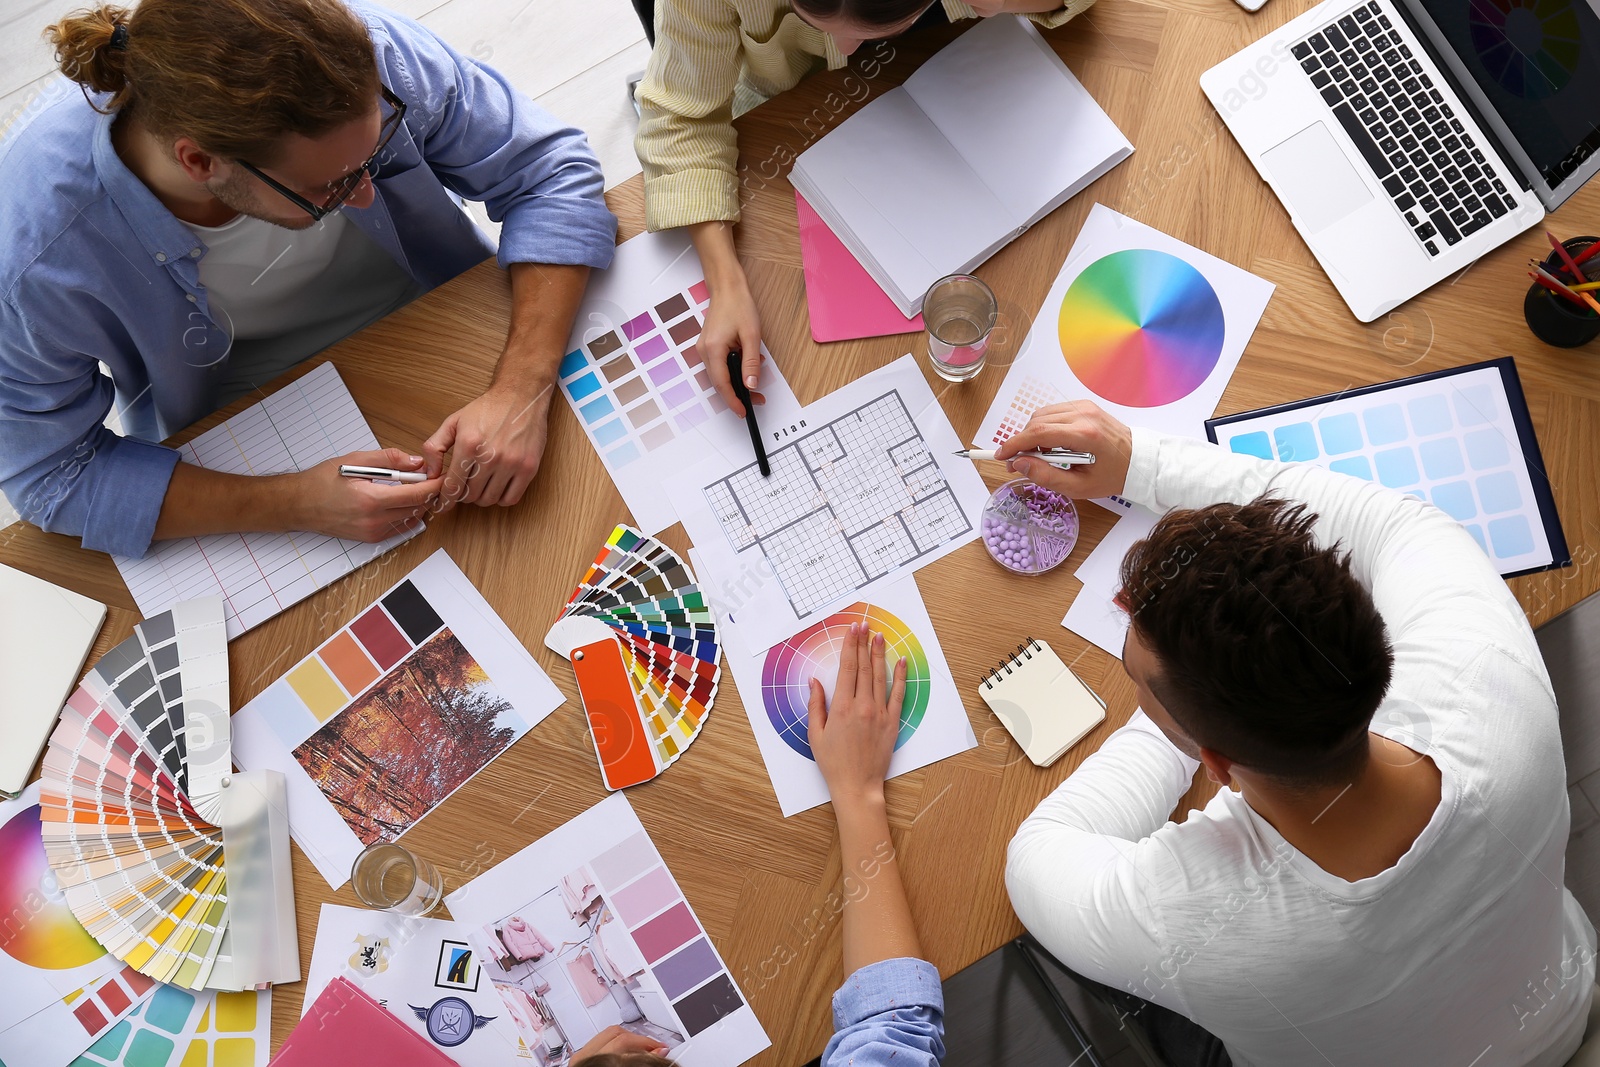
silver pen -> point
(381, 474)
(1064, 458)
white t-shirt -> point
(1469, 950)
(284, 295)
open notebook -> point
(934, 177)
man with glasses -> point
(241, 184)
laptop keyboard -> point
(1434, 172)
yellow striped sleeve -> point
(686, 140)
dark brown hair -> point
(235, 75)
(1269, 650)
(864, 12)
(627, 1059)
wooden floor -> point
(766, 887)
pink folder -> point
(845, 302)
(345, 1026)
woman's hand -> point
(854, 740)
(618, 1039)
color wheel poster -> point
(775, 688)
(46, 956)
(1143, 325)
(392, 714)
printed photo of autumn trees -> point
(406, 744)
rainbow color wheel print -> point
(52, 939)
(1141, 328)
(1530, 47)
(814, 653)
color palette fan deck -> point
(131, 785)
(643, 645)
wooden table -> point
(767, 887)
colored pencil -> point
(1585, 297)
(1559, 289)
(1566, 257)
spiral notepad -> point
(1041, 702)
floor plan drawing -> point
(847, 502)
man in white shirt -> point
(1380, 880)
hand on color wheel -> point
(617, 1039)
(853, 740)
(1080, 425)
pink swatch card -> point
(845, 302)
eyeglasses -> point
(345, 187)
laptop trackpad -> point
(1315, 178)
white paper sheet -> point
(258, 575)
(424, 973)
(1164, 326)
(773, 686)
(634, 377)
(587, 928)
(864, 488)
(1093, 614)
(299, 714)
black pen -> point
(740, 390)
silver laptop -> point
(1409, 137)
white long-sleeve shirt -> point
(1468, 951)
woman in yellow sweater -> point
(715, 59)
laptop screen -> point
(1538, 63)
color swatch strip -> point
(668, 935)
(355, 657)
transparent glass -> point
(959, 313)
(393, 878)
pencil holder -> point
(1554, 319)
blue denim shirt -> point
(93, 268)
(888, 1014)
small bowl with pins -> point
(1029, 529)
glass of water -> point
(959, 313)
(393, 878)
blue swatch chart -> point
(1453, 440)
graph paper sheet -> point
(258, 575)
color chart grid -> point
(1450, 442)
(258, 575)
(1032, 394)
(641, 385)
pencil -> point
(1587, 253)
(1584, 297)
(741, 391)
(1560, 290)
(1566, 257)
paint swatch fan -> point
(643, 645)
(143, 818)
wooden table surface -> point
(767, 887)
